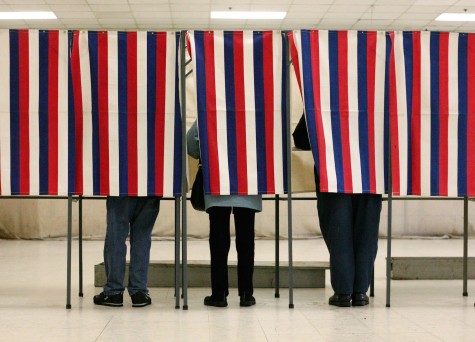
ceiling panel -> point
(178, 14)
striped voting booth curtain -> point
(127, 113)
(34, 115)
(433, 113)
(342, 79)
(240, 96)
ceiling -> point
(179, 14)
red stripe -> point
(241, 147)
(471, 117)
(78, 111)
(268, 66)
(443, 112)
(103, 100)
(53, 112)
(161, 65)
(393, 123)
(132, 112)
(416, 114)
(24, 83)
(315, 53)
(344, 110)
(295, 59)
(371, 80)
(211, 113)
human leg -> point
(219, 244)
(141, 225)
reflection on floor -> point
(33, 295)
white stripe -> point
(221, 122)
(63, 110)
(34, 138)
(453, 114)
(326, 109)
(169, 143)
(142, 113)
(353, 112)
(5, 112)
(278, 112)
(379, 111)
(401, 111)
(87, 112)
(248, 46)
(425, 113)
(113, 122)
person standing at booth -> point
(219, 209)
(134, 215)
(349, 225)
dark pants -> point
(136, 215)
(219, 244)
(349, 225)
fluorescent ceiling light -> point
(27, 15)
(456, 17)
(247, 15)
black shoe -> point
(359, 299)
(216, 300)
(342, 300)
(109, 300)
(140, 299)
(247, 299)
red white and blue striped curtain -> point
(433, 113)
(128, 121)
(342, 79)
(240, 95)
(34, 116)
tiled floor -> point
(33, 290)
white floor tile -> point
(33, 295)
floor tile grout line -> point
(102, 331)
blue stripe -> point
(43, 38)
(307, 84)
(178, 145)
(123, 112)
(230, 109)
(387, 151)
(335, 108)
(151, 98)
(362, 62)
(463, 112)
(71, 126)
(434, 117)
(408, 59)
(93, 56)
(14, 113)
(201, 102)
(260, 113)
(285, 66)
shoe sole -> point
(141, 305)
(247, 304)
(341, 304)
(359, 303)
(217, 305)
(113, 305)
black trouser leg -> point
(367, 210)
(244, 222)
(219, 243)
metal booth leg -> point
(68, 276)
(81, 294)
(465, 245)
(277, 247)
(177, 252)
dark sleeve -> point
(300, 135)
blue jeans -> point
(137, 215)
